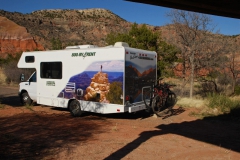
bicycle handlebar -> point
(159, 79)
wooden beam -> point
(226, 8)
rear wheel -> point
(159, 107)
(75, 108)
(171, 100)
(25, 99)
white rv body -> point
(89, 74)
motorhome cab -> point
(89, 78)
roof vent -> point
(81, 46)
(121, 44)
(72, 47)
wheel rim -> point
(25, 99)
(171, 100)
(75, 108)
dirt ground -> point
(42, 132)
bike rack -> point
(146, 87)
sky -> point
(130, 11)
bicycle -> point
(150, 92)
(159, 98)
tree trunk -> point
(233, 85)
(192, 75)
(183, 76)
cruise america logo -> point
(86, 54)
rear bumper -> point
(136, 107)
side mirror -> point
(22, 77)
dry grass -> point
(236, 98)
(200, 104)
(2, 106)
(211, 106)
(187, 102)
(3, 77)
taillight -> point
(129, 99)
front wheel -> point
(159, 106)
(75, 108)
(25, 99)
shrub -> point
(12, 73)
(2, 76)
(237, 90)
(2, 106)
(222, 103)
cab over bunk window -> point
(29, 59)
(51, 70)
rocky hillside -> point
(15, 38)
(70, 26)
(37, 30)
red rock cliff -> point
(15, 38)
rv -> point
(89, 78)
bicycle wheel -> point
(147, 98)
(171, 100)
(159, 106)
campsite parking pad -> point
(42, 132)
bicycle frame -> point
(159, 94)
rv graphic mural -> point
(97, 82)
(103, 82)
(137, 77)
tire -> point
(159, 107)
(171, 100)
(25, 99)
(75, 109)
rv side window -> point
(29, 59)
(51, 70)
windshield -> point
(33, 78)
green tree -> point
(167, 56)
(143, 38)
(140, 36)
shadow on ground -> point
(9, 96)
(35, 136)
(11, 101)
(136, 115)
(221, 131)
